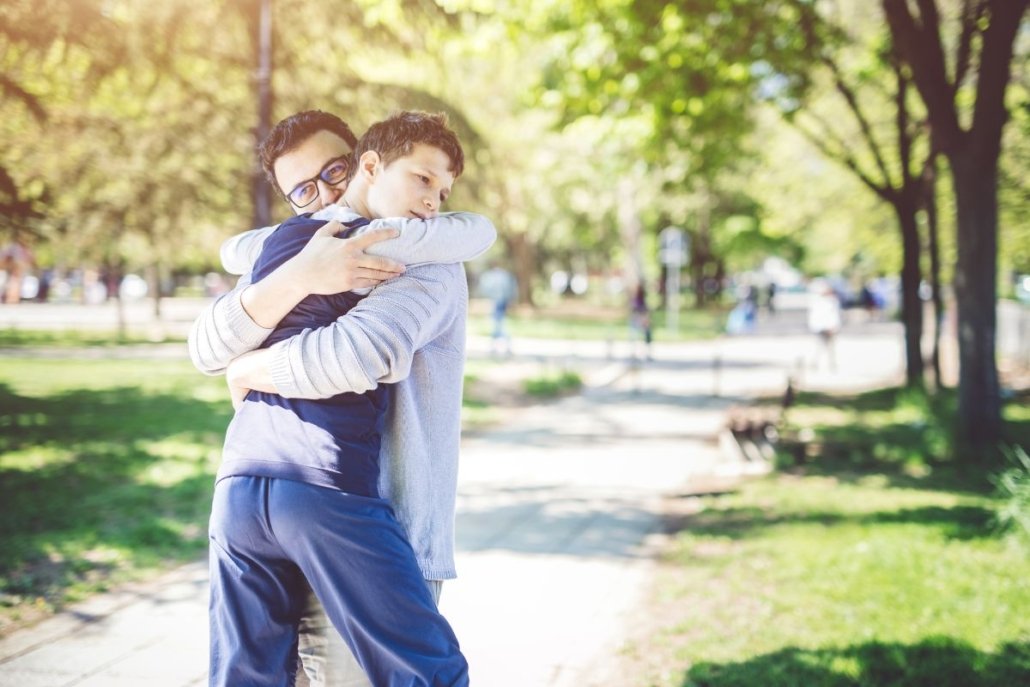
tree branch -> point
(11, 89)
(971, 15)
(903, 122)
(989, 113)
(852, 100)
(920, 47)
(839, 152)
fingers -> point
(375, 236)
(375, 263)
(329, 229)
(380, 275)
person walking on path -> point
(824, 320)
(499, 286)
(640, 317)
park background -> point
(788, 140)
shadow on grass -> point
(85, 475)
(958, 522)
(936, 662)
(902, 434)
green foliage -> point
(551, 385)
(689, 69)
(1013, 487)
(126, 127)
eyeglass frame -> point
(314, 181)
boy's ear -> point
(368, 164)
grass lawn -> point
(106, 471)
(596, 324)
(20, 338)
(860, 567)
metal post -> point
(672, 299)
(262, 198)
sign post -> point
(673, 249)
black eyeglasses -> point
(335, 171)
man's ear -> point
(368, 165)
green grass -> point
(842, 581)
(106, 472)
(26, 338)
(600, 325)
(476, 413)
(552, 384)
(875, 560)
(896, 430)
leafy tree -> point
(884, 146)
(689, 72)
(979, 75)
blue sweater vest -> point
(332, 442)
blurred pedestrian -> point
(824, 320)
(500, 287)
(17, 260)
(640, 318)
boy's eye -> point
(423, 178)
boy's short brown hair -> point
(294, 130)
(397, 135)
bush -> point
(550, 385)
(1013, 485)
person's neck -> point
(355, 200)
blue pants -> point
(268, 535)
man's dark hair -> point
(397, 135)
(294, 130)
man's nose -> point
(328, 193)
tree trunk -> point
(522, 256)
(700, 255)
(154, 271)
(979, 401)
(911, 304)
(262, 28)
(933, 246)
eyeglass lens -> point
(333, 173)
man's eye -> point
(335, 172)
(304, 194)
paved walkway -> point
(558, 516)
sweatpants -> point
(268, 535)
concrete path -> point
(557, 518)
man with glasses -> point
(301, 157)
(306, 158)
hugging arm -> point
(373, 343)
(449, 237)
(242, 319)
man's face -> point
(306, 162)
(415, 185)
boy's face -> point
(304, 164)
(415, 185)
